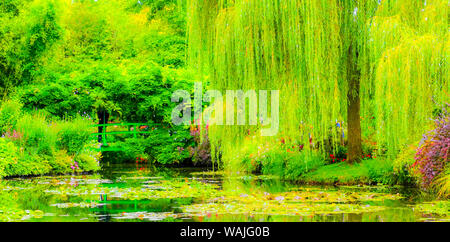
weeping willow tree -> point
(377, 66)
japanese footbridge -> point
(130, 129)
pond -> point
(133, 192)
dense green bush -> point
(380, 171)
(88, 161)
(10, 111)
(28, 165)
(73, 135)
(36, 145)
(61, 162)
(28, 30)
(403, 166)
(162, 145)
(56, 99)
(38, 137)
(9, 153)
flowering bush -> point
(432, 156)
(201, 152)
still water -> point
(136, 192)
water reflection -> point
(129, 193)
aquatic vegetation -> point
(271, 208)
(165, 216)
(81, 205)
(305, 203)
(133, 196)
(10, 209)
(209, 173)
(439, 208)
(160, 189)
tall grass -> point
(38, 136)
(73, 134)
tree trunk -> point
(103, 117)
(353, 108)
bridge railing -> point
(133, 128)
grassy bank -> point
(375, 171)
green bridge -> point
(132, 129)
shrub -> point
(402, 165)
(38, 135)
(9, 113)
(8, 154)
(28, 165)
(47, 146)
(201, 153)
(61, 162)
(74, 134)
(88, 162)
(162, 145)
(380, 170)
(433, 154)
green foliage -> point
(61, 162)
(55, 98)
(291, 165)
(8, 154)
(10, 111)
(309, 50)
(39, 146)
(28, 165)
(88, 162)
(38, 137)
(403, 166)
(74, 135)
(28, 30)
(81, 57)
(162, 145)
(380, 171)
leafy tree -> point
(26, 33)
(379, 66)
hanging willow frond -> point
(299, 47)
